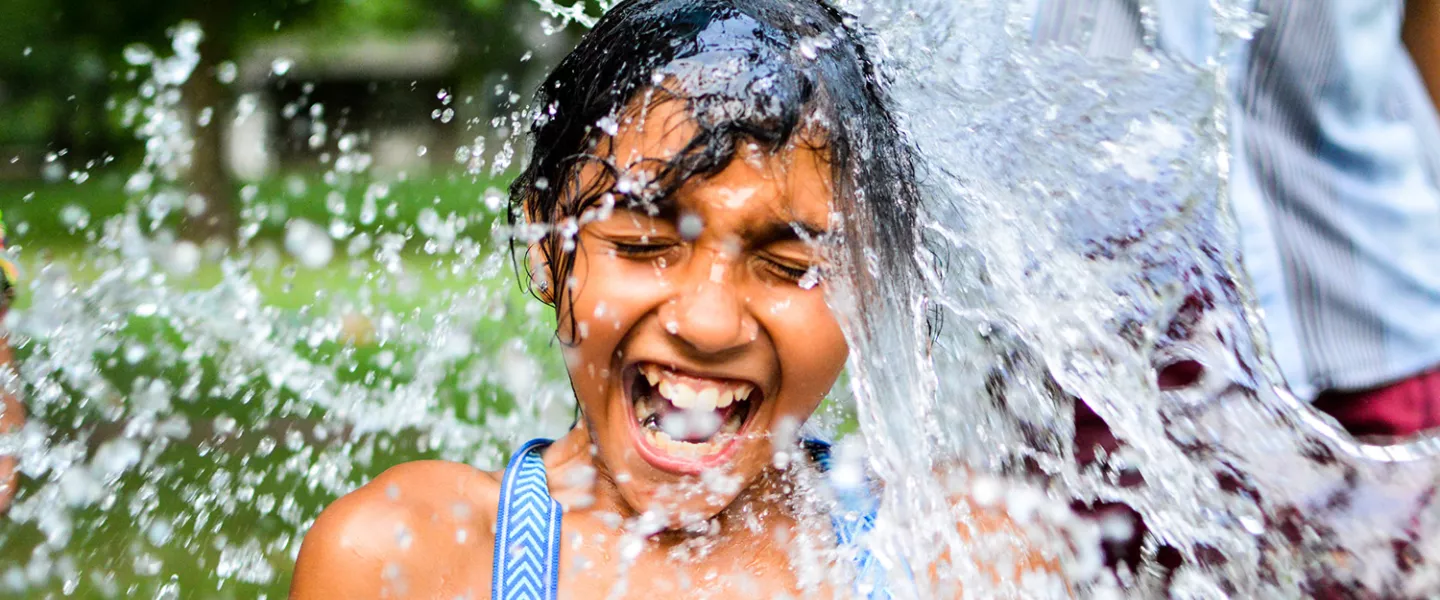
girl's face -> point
(699, 333)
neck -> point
(581, 483)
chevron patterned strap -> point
(527, 533)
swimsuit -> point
(527, 532)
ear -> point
(536, 261)
(540, 283)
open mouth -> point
(685, 423)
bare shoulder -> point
(419, 529)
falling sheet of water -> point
(1081, 241)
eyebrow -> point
(664, 206)
(780, 229)
(776, 231)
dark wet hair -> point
(749, 71)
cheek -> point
(610, 296)
(810, 344)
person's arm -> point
(994, 530)
(1001, 548)
(12, 413)
(10, 421)
(1421, 34)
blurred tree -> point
(69, 58)
(42, 77)
(61, 65)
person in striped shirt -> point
(1336, 153)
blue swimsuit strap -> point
(855, 517)
(527, 530)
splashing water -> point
(184, 421)
(192, 410)
(1080, 244)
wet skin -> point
(12, 417)
(724, 308)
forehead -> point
(792, 183)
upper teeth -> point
(708, 396)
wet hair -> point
(763, 72)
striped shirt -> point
(1336, 149)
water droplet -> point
(75, 217)
(308, 243)
(630, 548)
(609, 125)
(810, 279)
(182, 259)
(335, 203)
(138, 54)
(80, 488)
(691, 226)
(226, 72)
(134, 353)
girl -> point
(693, 162)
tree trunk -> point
(62, 132)
(218, 218)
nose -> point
(708, 314)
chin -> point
(689, 442)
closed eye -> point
(786, 270)
(645, 249)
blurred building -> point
(386, 104)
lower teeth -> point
(663, 441)
(650, 424)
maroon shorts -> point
(1405, 407)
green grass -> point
(225, 511)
